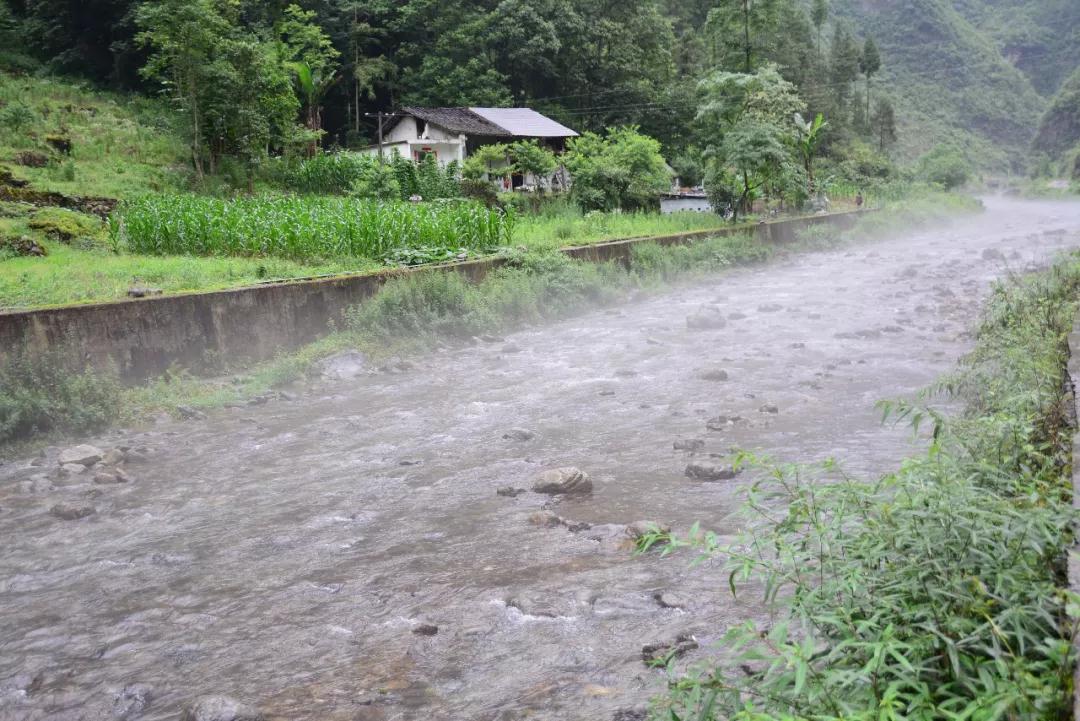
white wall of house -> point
(414, 138)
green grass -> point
(69, 275)
(122, 145)
(571, 227)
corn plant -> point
(304, 228)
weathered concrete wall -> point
(1074, 553)
(141, 338)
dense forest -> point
(926, 81)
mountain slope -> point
(950, 82)
(1041, 38)
(1059, 130)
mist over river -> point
(345, 555)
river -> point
(301, 555)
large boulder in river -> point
(83, 455)
(344, 366)
(72, 511)
(220, 708)
(706, 472)
(563, 481)
(708, 318)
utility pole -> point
(380, 115)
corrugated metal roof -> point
(524, 123)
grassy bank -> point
(72, 275)
(421, 311)
(65, 137)
(935, 592)
(224, 249)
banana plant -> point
(808, 139)
(313, 87)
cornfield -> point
(303, 228)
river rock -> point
(720, 423)
(518, 434)
(72, 469)
(189, 413)
(631, 714)
(546, 519)
(344, 366)
(707, 318)
(543, 605)
(510, 491)
(637, 529)
(132, 700)
(220, 708)
(113, 457)
(83, 455)
(662, 651)
(563, 481)
(993, 254)
(72, 511)
(667, 599)
(689, 444)
(425, 629)
(715, 375)
(700, 472)
(104, 478)
(769, 408)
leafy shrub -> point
(18, 116)
(622, 171)
(946, 167)
(41, 393)
(376, 182)
(936, 591)
(324, 173)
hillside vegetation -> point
(953, 83)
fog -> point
(346, 555)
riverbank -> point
(940, 588)
(41, 394)
(282, 554)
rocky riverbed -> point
(451, 537)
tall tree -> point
(742, 30)
(869, 65)
(843, 67)
(749, 120)
(314, 59)
(184, 37)
(819, 14)
(884, 124)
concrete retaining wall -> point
(1074, 553)
(141, 338)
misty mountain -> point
(962, 75)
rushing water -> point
(285, 555)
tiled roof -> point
(458, 120)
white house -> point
(453, 133)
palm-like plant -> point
(809, 137)
(313, 87)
